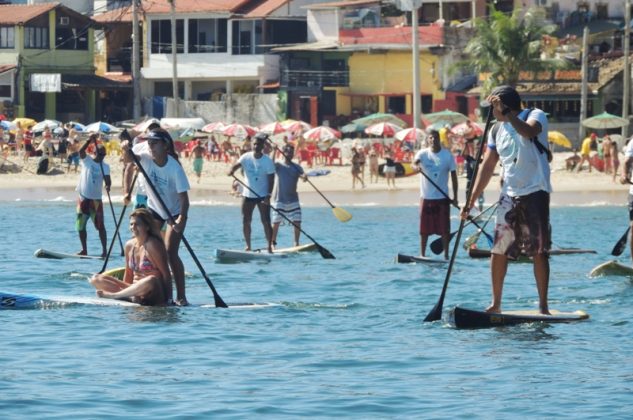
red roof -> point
(122, 14)
(265, 8)
(15, 14)
(194, 6)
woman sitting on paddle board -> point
(147, 280)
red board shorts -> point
(435, 217)
(88, 208)
(523, 225)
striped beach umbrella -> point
(240, 131)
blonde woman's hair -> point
(148, 220)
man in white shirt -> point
(259, 171)
(435, 163)
(626, 179)
(520, 145)
(94, 172)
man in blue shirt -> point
(286, 199)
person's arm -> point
(454, 181)
(271, 185)
(625, 178)
(234, 168)
(157, 254)
(82, 150)
(483, 178)
(181, 221)
(108, 182)
(128, 175)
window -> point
(71, 38)
(242, 37)
(36, 38)
(161, 36)
(7, 37)
(207, 35)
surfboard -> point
(402, 169)
(611, 268)
(117, 272)
(467, 318)
(25, 301)
(485, 253)
(405, 259)
(45, 253)
(234, 255)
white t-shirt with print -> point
(169, 180)
(525, 168)
(628, 153)
(256, 172)
(91, 178)
(436, 166)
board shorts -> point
(88, 208)
(73, 159)
(389, 169)
(162, 223)
(631, 207)
(197, 165)
(291, 210)
(435, 217)
(523, 225)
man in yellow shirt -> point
(585, 151)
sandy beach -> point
(570, 188)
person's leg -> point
(107, 283)
(541, 274)
(149, 288)
(297, 229)
(498, 270)
(275, 231)
(446, 243)
(247, 216)
(423, 240)
(96, 214)
(172, 243)
(80, 226)
(264, 214)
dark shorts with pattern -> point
(89, 209)
(435, 217)
(523, 225)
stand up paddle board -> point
(405, 259)
(45, 253)
(234, 255)
(22, 301)
(611, 268)
(468, 318)
(485, 253)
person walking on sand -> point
(170, 185)
(259, 171)
(520, 144)
(436, 163)
(356, 168)
(147, 279)
(197, 153)
(390, 170)
(585, 151)
(373, 166)
(94, 173)
(286, 199)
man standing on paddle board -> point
(520, 143)
(259, 170)
(436, 163)
(168, 178)
(94, 172)
(626, 179)
(286, 197)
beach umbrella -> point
(100, 127)
(322, 133)
(77, 126)
(605, 120)
(142, 126)
(462, 128)
(240, 131)
(383, 129)
(295, 126)
(25, 122)
(446, 117)
(8, 125)
(410, 134)
(52, 124)
(215, 127)
(378, 118)
(556, 137)
(353, 127)
(273, 128)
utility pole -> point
(584, 80)
(627, 68)
(136, 63)
(174, 54)
(413, 6)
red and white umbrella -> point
(240, 131)
(272, 128)
(215, 127)
(142, 126)
(463, 128)
(383, 129)
(295, 126)
(322, 133)
(410, 134)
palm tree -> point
(505, 45)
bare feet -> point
(493, 309)
(82, 252)
(181, 302)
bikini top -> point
(144, 266)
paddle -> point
(116, 232)
(437, 246)
(436, 313)
(341, 214)
(216, 297)
(472, 239)
(620, 246)
(324, 252)
(118, 225)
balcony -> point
(314, 78)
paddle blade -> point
(619, 247)
(219, 303)
(471, 240)
(325, 253)
(437, 247)
(435, 314)
(341, 214)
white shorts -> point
(291, 210)
(389, 169)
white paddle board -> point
(468, 318)
(402, 258)
(234, 255)
(612, 268)
(45, 253)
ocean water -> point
(345, 338)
